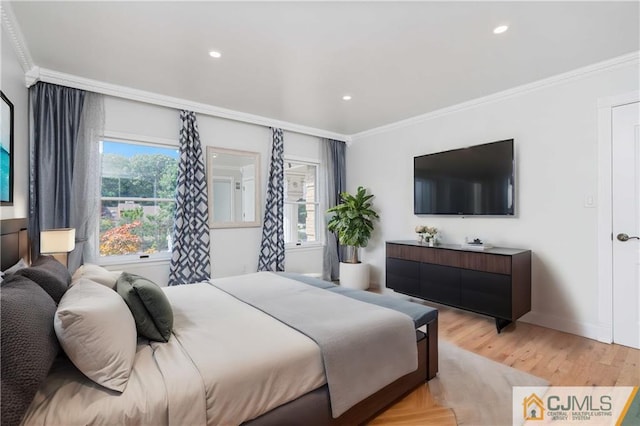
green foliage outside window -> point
(139, 226)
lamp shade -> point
(61, 240)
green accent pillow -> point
(149, 305)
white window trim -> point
(164, 200)
(139, 139)
(313, 245)
(126, 259)
(303, 245)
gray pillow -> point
(49, 274)
(15, 268)
(28, 344)
(149, 305)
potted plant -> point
(352, 220)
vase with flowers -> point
(420, 230)
(426, 234)
(431, 232)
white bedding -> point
(364, 347)
(226, 363)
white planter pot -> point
(354, 275)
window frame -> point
(133, 139)
(319, 242)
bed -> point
(189, 380)
(14, 242)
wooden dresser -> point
(495, 282)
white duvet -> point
(226, 363)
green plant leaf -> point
(353, 218)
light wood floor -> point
(561, 358)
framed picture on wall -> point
(6, 151)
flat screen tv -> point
(478, 180)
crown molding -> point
(36, 74)
(12, 29)
(620, 61)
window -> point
(301, 206)
(138, 183)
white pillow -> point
(97, 332)
(96, 273)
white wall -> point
(13, 86)
(555, 132)
(233, 251)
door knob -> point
(625, 237)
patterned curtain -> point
(272, 247)
(190, 258)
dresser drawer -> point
(440, 283)
(403, 276)
(486, 293)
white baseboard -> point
(601, 333)
(588, 330)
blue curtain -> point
(271, 256)
(190, 257)
(333, 159)
(55, 113)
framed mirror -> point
(233, 179)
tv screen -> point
(478, 180)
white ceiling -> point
(293, 61)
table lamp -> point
(58, 243)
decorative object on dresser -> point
(476, 244)
(353, 220)
(495, 282)
(427, 234)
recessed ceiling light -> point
(500, 29)
(215, 54)
(346, 98)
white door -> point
(248, 200)
(222, 199)
(626, 224)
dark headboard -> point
(14, 242)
